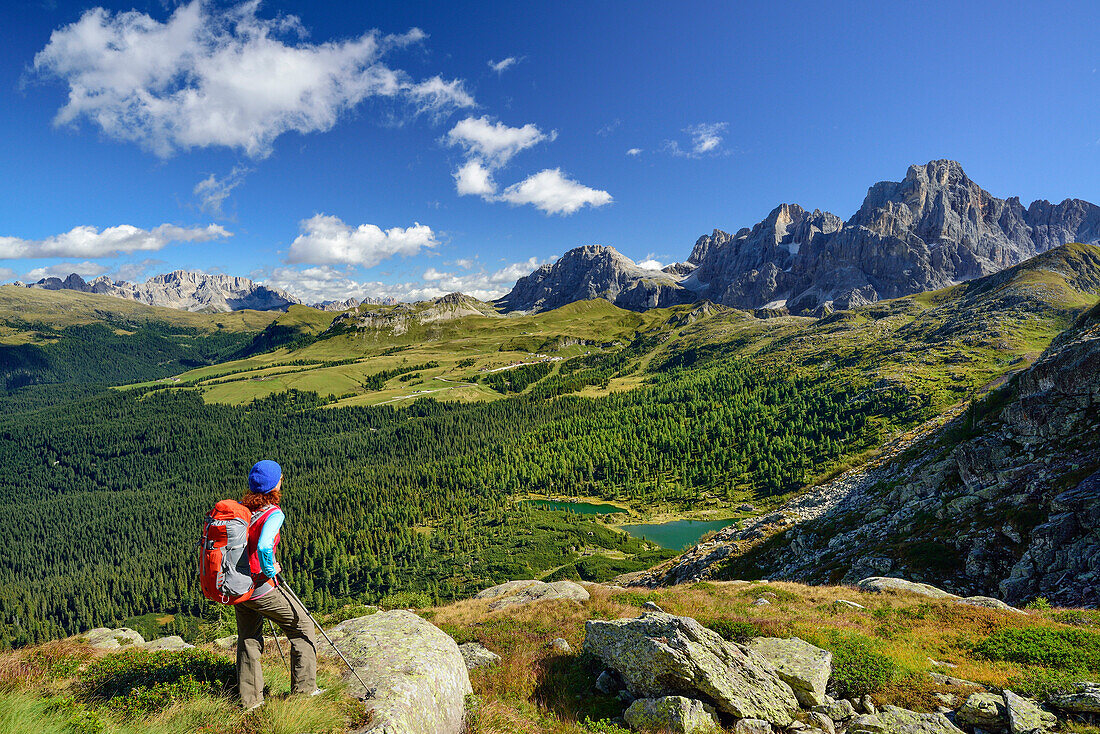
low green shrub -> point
(603, 726)
(145, 700)
(859, 665)
(407, 600)
(1077, 617)
(118, 674)
(1070, 650)
(734, 630)
(1039, 603)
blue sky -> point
(410, 149)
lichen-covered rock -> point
(902, 721)
(866, 724)
(1025, 716)
(477, 656)
(172, 642)
(816, 720)
(661, 654)
(806, 668)
(886, 583)
(752, 726)
(518, 593)
(836, 710)
(1083, 699)
(989, 603)
(561, 646)
(105, 638)
(983, 710)
(675, 714)
(415, 673)
(226, 643)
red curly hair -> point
(257, 500)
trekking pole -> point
(278, 645)
(283, 585)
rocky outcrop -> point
(1083, 699)
(932, 229)
(804, 667)
(186, 290)
(595, 271)
(674, 714)
(519, 593)
(477, 656)
(882, 583)
(416, 677)
(659, 655)
(105, 638)
(894, 720)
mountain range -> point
(933, 229)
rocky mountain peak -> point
(934, 228)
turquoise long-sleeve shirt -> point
(265, 547)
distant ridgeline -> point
(671, 410)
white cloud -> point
(86, 269)
(465, 263)
(213, 191)
(706, 137)
(554, 193)
(494, 143)
(634, 151)
(7, 274)
(609, 128)
(222, 76)
(90, 242)
(326, 283)
(474, 178)
(489, 146)
(501, 66)
(650, 263)
(326, 240)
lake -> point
(581, 508)
(678, 534)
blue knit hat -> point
(265, 475)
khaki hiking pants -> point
(295, 623)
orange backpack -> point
(223, 554)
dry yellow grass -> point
(534, 689)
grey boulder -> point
(172, 642)
(887, 583)
(674, 714)
(105, 638)
(475, 655)
(983, 710)
(804, 667)
(1025, 716)
(894, 720)
(989, 603)
(661, 654)
(518, 593)
(752, 726)
(415, 674)
(1083, 699)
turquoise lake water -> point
(677, 534)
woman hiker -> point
(268, 601)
